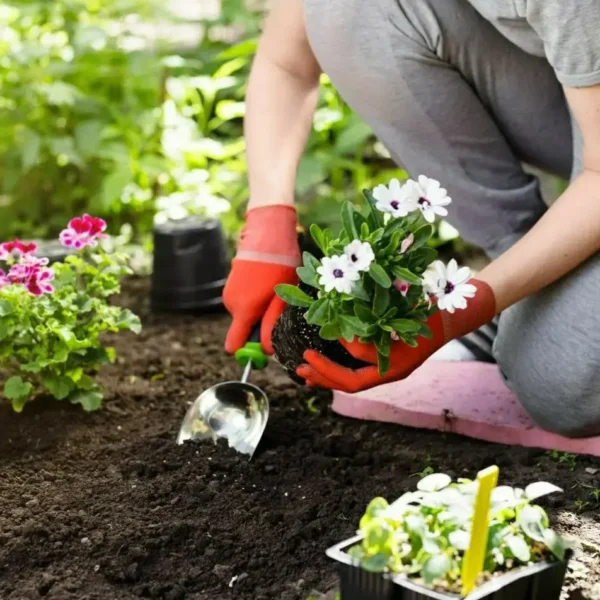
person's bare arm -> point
(569, 233)
(281, 99)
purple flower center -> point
(449, 288)
(424, 202)
(353, 257)
(337, 273)
(395, 204)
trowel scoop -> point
(234, 410)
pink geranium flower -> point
(16, 249)
(4, 280)
(39, 282)
(83, 232)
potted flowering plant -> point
(414, 548)
(51, 317)
(377, 280)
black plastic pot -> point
(542, 581)
(190, 265)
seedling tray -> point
(542, 581)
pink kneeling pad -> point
(467, 398)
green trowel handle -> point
(252, 351)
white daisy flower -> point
(394, 199)
(337, 273)
(432, 199)
(449, 285)
(360, 254)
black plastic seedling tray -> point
(542, 581)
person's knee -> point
(560, 395)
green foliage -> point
(52, 343)
(95, 119)
(372, 310)
(79, 114)
(425, 533)
(565, 458)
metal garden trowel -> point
(234, 410)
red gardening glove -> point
(319, 371)
(267, 255)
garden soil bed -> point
(105, 506)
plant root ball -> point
(292, 336)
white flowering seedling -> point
(378, 280)
(424, 534)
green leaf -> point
(318, 237)
(113, 186)
(330, 331)
(308, 275)
(59, 386)
(519, 548)
(405, 325)
(378, 275)
(365, 232)
(311, 172)
(365, 314)
(406, 275)
(6, 308)
(383, 344)
(383, 364)
(318, 312)
(30, 150)
(376, 563)
(68, 337)
(425, 331)
(422, 236)
(436, 568)
(293, 295)
(88, 137)
(555, 543)
(423, 257)
(371, 203)
(348, 220)
(358, 291)
(309, 261)
(90, 400)
(346, 329)
(395, 225)
(353, 136)
(128, 320)
(532, 521)
(354, 323)
(18, 391)
(381, 301)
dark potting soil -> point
(105, 506)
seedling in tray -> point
(449, 540)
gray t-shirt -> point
(566, 32)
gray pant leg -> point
(548, 349)
(453, 99)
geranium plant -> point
(51, 316)
(425, 533)
(378, 279)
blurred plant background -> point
(134, 112)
